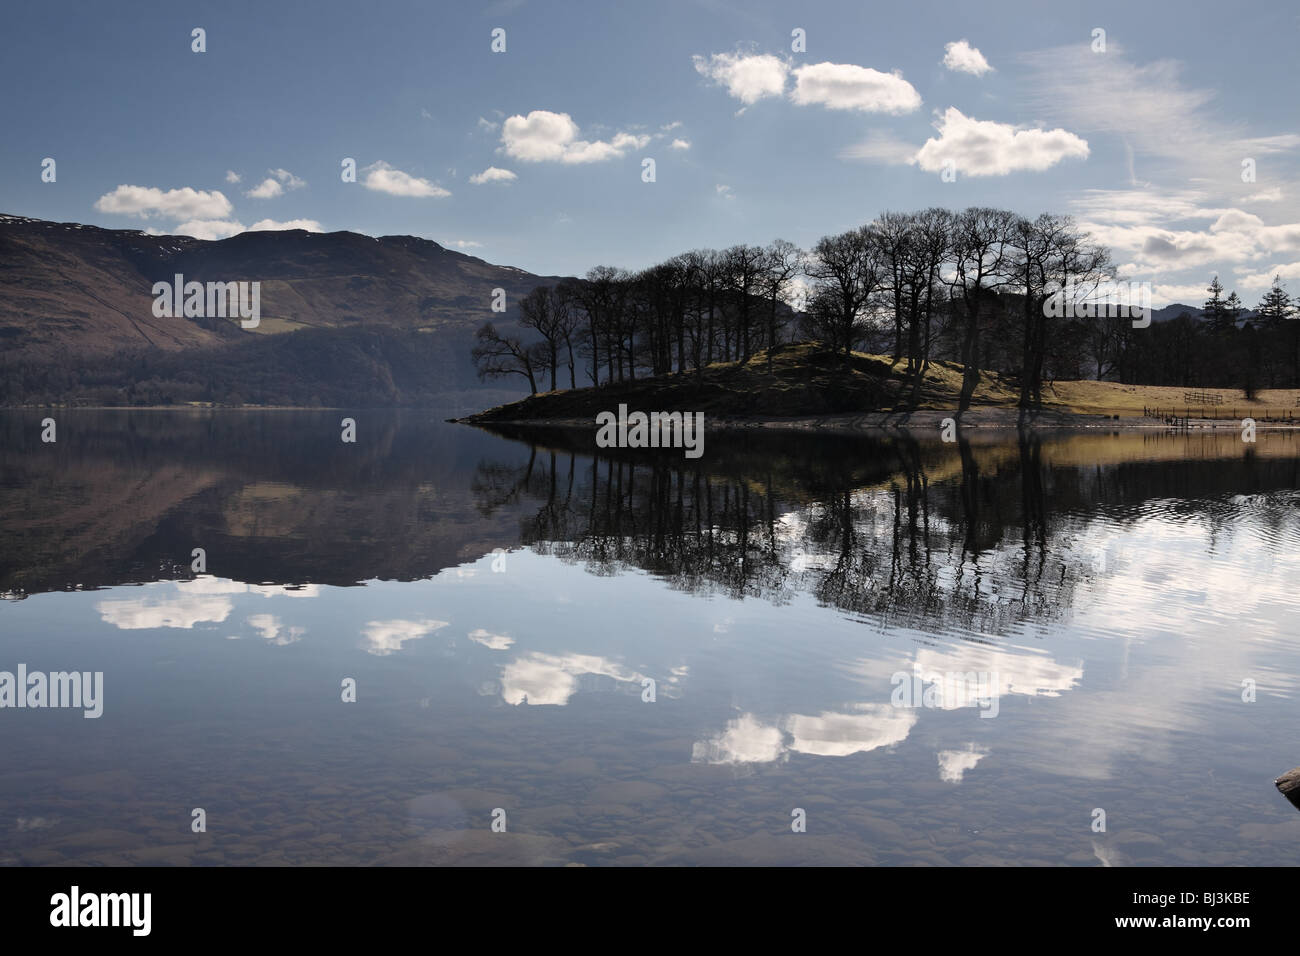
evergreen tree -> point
(1215, 310)
(1232, 310)
(1276, 306)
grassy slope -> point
(803, 380)
(1127, 401)
(809, 380)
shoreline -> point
(925, 418)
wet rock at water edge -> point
(1289, 784)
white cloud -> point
(467, 244)
(747, 77)
(540, 136)
(679, 144)
(1159, 233)
(387, 637)
(543, 136)
(1140, 206)
(744, 740)
(844, 86)
(495, 642)
(953, 764)
(209, 228)
(232, 176)
(383, 178)
(182, 611)
(1264, 278)
(1265, 195)
(961, 57)
(493, 175)
(724, 191)
(1002, 671)
(148, 201)
(273, 225)
(669, 127)
(275, 185)
(987, 148)
(839, 735)
(270, 629)
(552, 679)
(747, 739)
(182, 604)
(584, 152)
(225, 228)
(487, 125)
(1163, 294)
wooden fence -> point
(1181, 416)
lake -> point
(1072, 648)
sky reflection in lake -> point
(503, 604)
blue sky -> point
(1143, 142)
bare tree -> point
(926, 251)
(1050, 255)
(569, 320)
(497, 355)
(892, 234)
(744, 265)
(782, 261)
(847, 271)
(981, 237)
(546, 313)
(599, 297)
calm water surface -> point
(503, 601)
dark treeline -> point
(972, 287)
(1221, 349)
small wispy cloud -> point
(275, 185)
(493, 175)
(383, 178)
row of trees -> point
(695, 309)
(971, 286)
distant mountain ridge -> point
(1177, 309)
(77, 323)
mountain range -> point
(345, 318)
(1196, 312)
